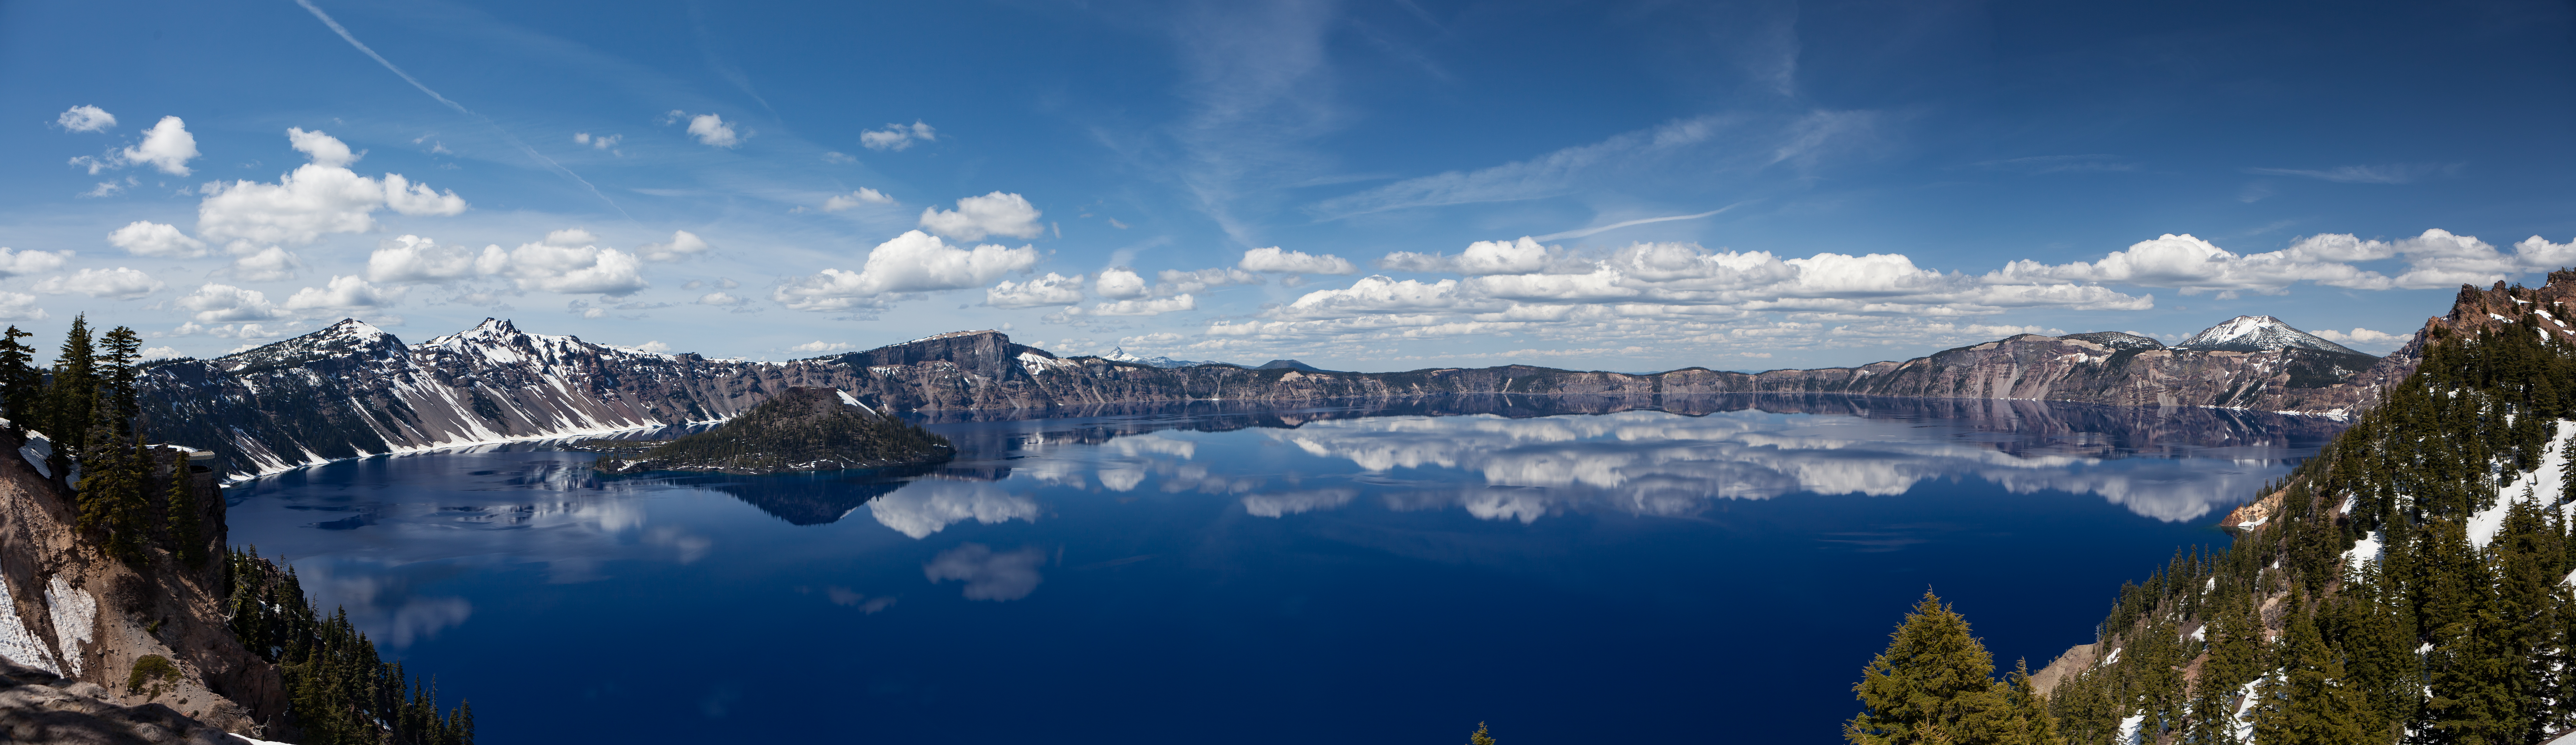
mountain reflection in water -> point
(1524, 457)
(1093, 571)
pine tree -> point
(73, 394)
(120, 352)
(22, 386)
(2379, 654)
(2087, 711)
(187, 538)
(2027, 720)
(2449, 580)
(1934, 684)
(2527, 554)
(2310, 706)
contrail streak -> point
(1641, 221)
(343, 31)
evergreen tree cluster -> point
(1935, 685)
(805, 425)
(339, 690)
(2280, 640)
(86, 406)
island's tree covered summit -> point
(801, 429)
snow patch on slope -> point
(73, 612)
(17, 643)
(2543, 483)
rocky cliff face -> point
(353, 390)
(68, 610)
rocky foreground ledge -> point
(41, 707)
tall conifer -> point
(22, 386)
(1934, 684)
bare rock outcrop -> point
(69, 610)
(41, 708)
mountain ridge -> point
(352, 390)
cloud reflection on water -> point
(930, 505)
(989, 575)
(1655, 463)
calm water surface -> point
(1393, 574)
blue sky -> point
(1733, 185)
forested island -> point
(2409, 584)
(802, 429)
(125, 616)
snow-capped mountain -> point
(2258, 334)
(1120, 354)
(353, 390)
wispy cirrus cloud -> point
(2398, 173)
(1732, 143)
(2037, 165)
(1553, 174)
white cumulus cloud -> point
(683, 244)
(1119, 284)
(263, 264)
(86, 119)
(2361, 337)
(1273, 259)
(317, 198)
(898, 137)
(323, 149)
(711, 129)
(119, 283)
(14, 262)
(19, 306)
(1145, 307)
(569, 262)
(1175, 282)
(419, 200)
(1052, 289)
(722, 300)
(2434, 259)
(854, 199)
(167, 146)
(215, 303)
(344, 293)
(819, 346)
(912, 262)
(992, 214)
(144, 238)
(1523, 256)
(415, 259)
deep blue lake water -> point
(1392, 574)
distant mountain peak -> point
(348, 336)
(1290, 365)
(955, 334)
(2118, 340)
(1120, 354)
(2259, 334)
